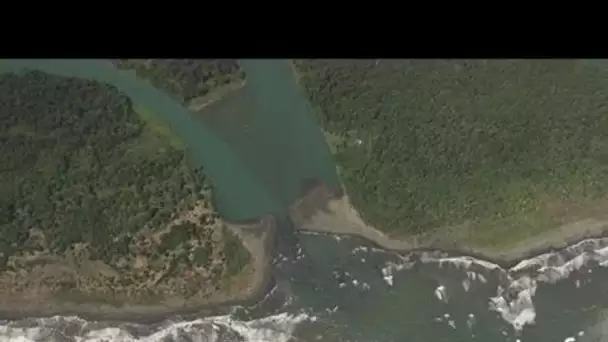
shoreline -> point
(320, 211)
(201, 102)
(259, 238)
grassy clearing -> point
(238, 256)
(159, 128)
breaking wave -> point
(276, 328)
(517, 285)
(513, 300)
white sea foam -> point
(470, 321)
(441, 294)
(518, 310)
(513, 301)
(465, 262)
(390, 267)
(360, 249)
(276, 328)
(514, 298)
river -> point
(238, 195)
(335, 288)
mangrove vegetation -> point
(494, 150)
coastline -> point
(257, 236)
(318, 210)
(321, 211)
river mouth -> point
(330, 287)
(335, 281)
(254, 188)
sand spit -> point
(199, 103)
(321, 212)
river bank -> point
(247, 288)
(321, 211)
(204, 148)
(199, 103)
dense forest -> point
(422, 144)
(186, 79)
(81, 172)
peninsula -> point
(102, 214)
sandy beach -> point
(321, 212)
